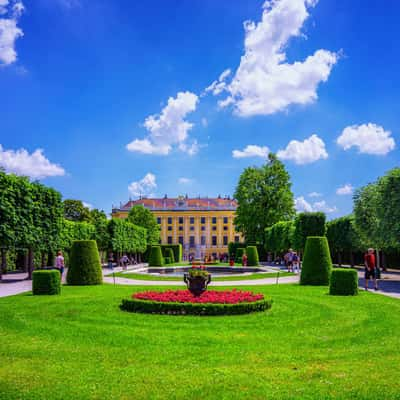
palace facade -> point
(204, 226)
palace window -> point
(214, 240)
(225, 240)
(214, 220)
(180, 228)
(203, 228)
(180, 220)
(170, 228)
(203, 240)
(159, 220)
(180, 240)
(203, 220)
(191, 241)
(225, 228)
(191, 220)
(225, 220)
(169, 239)
(170, 220)
(192, 228)
(236, 239)
(214, 228)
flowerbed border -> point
(170, 308)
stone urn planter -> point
(197, 280)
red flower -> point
(211, 296)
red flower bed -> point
(210, 296)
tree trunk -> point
(30, 263)
(352, 259)
(384, 268)
(378, 259)
(3, 266)
(43, 262)
(340, 258)
(26, 261)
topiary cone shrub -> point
(252, 256)
(317, 263)
(238, 255)
(84, 264)
(46, 282)
(170, 253)
(156, 258)
(344, 282)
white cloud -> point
(344, 190)
(308, 151)
(185, 181)
(9, 31)
(314, 194)
(251, 150)
(169, 128)
(369, 138)
(34, 165)
(144, 187)
(265, 82)
(302, 205)
(219, 85)
(204, 122)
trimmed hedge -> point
(317, 263)
(252, 256)
(84, 265)
(239, 254)
(156, 259)
(344, 282)
(167, 260)
(170, 254)
(46, 282)
(157, 307)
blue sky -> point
(163, 97)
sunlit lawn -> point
(308, 346)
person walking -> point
(60, 263)
(296, 262)
(289, 260)
(111, 261)
(370, 268)
(244, 260)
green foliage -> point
(308, 224)
(198, 272)
(99, 220)
(156, 258)
(167, 260)
(126, 237)
(317, 263)
(279, 237)
(252, 256)
(84, 266)
(155, 307)
(170, 254)
(141, 216)
(73, 231)
(176, 249)
(388, 208)
(344, 281)
(342, 234)
(74, 210)
(264, 197)
(46, 282)
(239, 254)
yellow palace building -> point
(203, 226)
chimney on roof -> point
(186, 197)
(165, 196)
(219, 196)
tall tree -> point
(74, 210)
(308, 224)
(141, 216)
(98, 219)
(264, 198)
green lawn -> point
(308, 346)
(146, 277)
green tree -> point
(264, 197)
(141, 216)
(74, 210)
(98, 219)
(308, 224)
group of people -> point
(292, 261)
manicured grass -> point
(308, 346)
(146, 277)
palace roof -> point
(182, 204)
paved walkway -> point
(13, 284)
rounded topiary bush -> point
(46, 282)
(170, 254)
(344, 282)
(317, 263)
(84, 264)
(239, 254)
(252, 256)
(156, 258)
